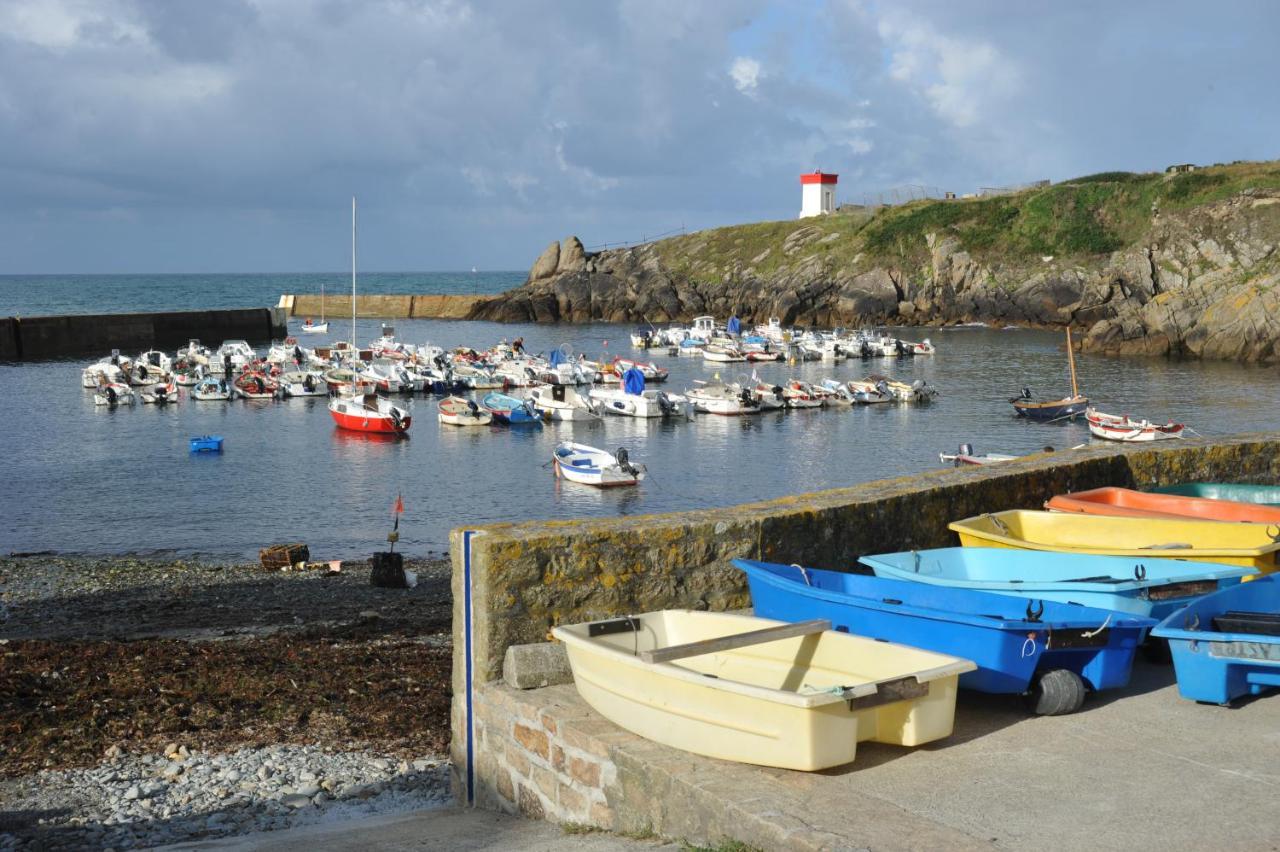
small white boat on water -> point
(255, 385)
(239, 353)
(647, 403)
(722, 353)
(966, 456)
(210, 389)
(457, 411)
(560, 402)
(652, 373)
(590, 466)
(1124, 428)
(108, 370)
(303, 383)
(753, 690)
(114, 393)
(723, 399)
(161, 394)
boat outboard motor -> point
(664, 403)
(557, 393)
(1026, 393)
(142, 371)
(297, 355)
(112, 396)
(899, 348)
(966, 449)
(309, 382)
(882, 387)
(624, 461)
(745, 396)
(865, 352)
(259, 384)
(162, 395)
(473, 408)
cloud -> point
(239, 129)
(745, 72)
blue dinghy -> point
(511, 410)
(1150, 587)
(1051, 651)
(1227, 645)
(207, 444)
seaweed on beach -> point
(65, 703)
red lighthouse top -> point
(818, 177)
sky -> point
(230, 135)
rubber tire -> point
(1056, 692)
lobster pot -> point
(279, 556)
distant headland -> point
(1176, 263)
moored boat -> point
(1113, 427)
(1148, 587)
(1227, 645)
(114, 393)
(511, 410)
(210, 389)
(1125, 502)
(560, 402)
(1267, 495)
(368, 412)
(723, 399)
(646, 403)
(966, 456)
(1049, 651)
(1067, 408)
(161, 394)
(757, 691)
(255, 385)
(590, 466)
(1251, 545)
(303, 383)
(457, 411)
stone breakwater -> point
(1202, 282)
(146, 800)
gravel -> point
(134, 801)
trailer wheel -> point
(1056, 692)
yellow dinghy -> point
(1231, 543)
(754, 690)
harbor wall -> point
(529, 577)
(389, 306)
(36, 338)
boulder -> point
(573, 258)
(546, 264)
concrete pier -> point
(37, 338)
(399, 306)
(1137, 768)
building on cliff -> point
(817, 194)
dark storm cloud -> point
(173, 134)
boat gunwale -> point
(1118, 620)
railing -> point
(644, 238)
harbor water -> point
(87, 479)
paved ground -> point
(454, 829)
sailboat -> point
(1053, 409)
(359, 408)
(321, 327)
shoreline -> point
(155, 701)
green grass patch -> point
(725, 845)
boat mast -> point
(1071, 359)
(353, 274)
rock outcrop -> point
(1201, 282)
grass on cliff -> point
(1086, 217)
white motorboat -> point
(303, 383)
(703, 328)
(114, 393)
(647, 403)
(870, 393)
(210, 389)
(798, 394)
(652, 373)
(590, 466)
(837, 392)
(108, 369)
(966, 456)
(476, 377)
(917, 391)
(195, 353)
(457, 411)
(187, 374)
(161, 394)
(771, 397)
(382, 377)
(560, 402)
(723, 399)
(239, 352)
(149, 368)
(517, 373)
(722, 353)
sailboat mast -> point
(353, 273)
(1071, 359)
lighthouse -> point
(817, 194)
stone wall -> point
(337, 306)
(526, 578)
(35, 338)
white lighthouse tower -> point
(817, 194)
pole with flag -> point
(396, 512)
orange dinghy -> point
(1125, 502)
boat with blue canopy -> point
(1050, 652)
(1148, 587)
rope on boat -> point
(1101, 628)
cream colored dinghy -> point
(754, 690)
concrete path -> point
(454, 829)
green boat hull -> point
(1267, 495)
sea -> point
(84, 479)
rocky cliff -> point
(1142, 264)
